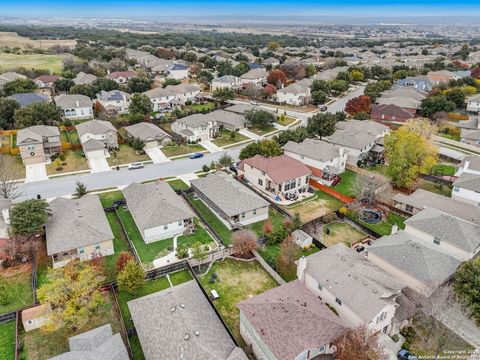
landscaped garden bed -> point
(7, 340)
(17, 282)
(236, 281)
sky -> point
(162, 8)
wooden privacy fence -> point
(328, 190)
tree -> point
(265, 148)
(74, 295)
(475, 72)
(436, 103)
(457, 96)
(225, 160)
(123, 258)
(319, 97)
(19, 86)
(297, 135)
(277, 78)
(28, 217)
(360, 344)
(321, 124)
(241, 69)
(339, 86)
(466, 284)
(170, 81)
(310, 70)
(259, 118)
(365, 186)
(289, 252)
(139, 84)
(80, 190)
(244, 242)
(137, 144)
(205, 77)
(83, 89)
(104, 84)
(357, 75)
(131, 278)
(63, 85)
(140, 104)
(37, 114)
(269, 90)
(296, 222)
(408, 154)
(199, 252)
(358, 104)
(273, 45)
(7, 111)
(8, 187)
(223, 94)
(320, 85)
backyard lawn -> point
(201, 107)
(200, 235)
(338, 232)
(125, 155)
(444, 169)
(314, 207)
(382, 228)
(180, 277)
(347, 185)
(74, 161)
(236, 281)
(69, 137)
(262, 130)
(14, 164)
(276, 218)
(182, 149)
(178, 184)
(433, 187)
(108, 198)
(225, 138)
(7, 340)
(120, 243)
(18, 285)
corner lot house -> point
(289, 322)
(100, 130)
(75, 107)
(157, 210)
(358, 290)
(179, 323)
(114, 102)
(149, 133)
(228, 120)
(196, 127)
(233, 203)
(275, 175)
(296, 94)
(37, 143)
(99, 343)
(77, 229)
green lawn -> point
(120, 244)
(202, 107)
(236, 281)
(180, 277)
(444, 169)
(346, 186)
(200, 235)
(74, 161)
(125, 155)
(182, 149)
(314, 207)
(340, 232)
(72, 136)
(52, 63)
(270, 254)
(178, 184)
(221, 230)
(276, 218)
(108, 198)
(225, 138)
(7, 340)
(285, 120)
(262, 130)
(18, 283)
(384, 227)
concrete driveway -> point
(250, 134)
(207, 144)
(35, 172)
(156, 155)
(98, 163)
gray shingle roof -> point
(72, 101)
(26, 99)
(228, 118)
(114, 95)
(83, 78)
(354, 280)
(195, 120)
(461, 234)
(413, 257)
(314, 149)
(255, 74)
(365, 126)
(146, 131)
(468, 181)
(36, 133)
(75, 223)
(228, 194)
(95, 127)
(155, 204)
(291, 319)
(163, 320)
(92, 145)
(352, 138)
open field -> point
(52, 63)
(12, 39)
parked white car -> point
(136, 165)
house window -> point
(321, 349)
(299, 182)
(180, 222)
(97, 247)
(243, 215)
(290, 184)
(254, 211)
(81, 250)
(320, 287)
(165, 227)
(409, 208)
(436, 241)
(260, 182)
(338, 301)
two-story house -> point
(296, 94)
(178, 71)
(161, 99)
(196, 127)
(184, 92)
(99, 130)
(75, 107)
(37, 143)
(256, 77)
(115, 101)
(225, 81)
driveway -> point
(35, 172)
(156, 155)
(250, 134)
(98, 163)
(211, 147)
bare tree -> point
(8, 187)
(244, 241)
(360, 344)
(365, 187)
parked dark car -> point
(405, 355)
(196, 156)
(233, 169)
(323, 108)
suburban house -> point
(161, 99)
(184, 92)
(271, 61)
(8, 77)
(407, 98)
(75, 107)
(114, 102)
(296, 94)
(77, 229)
(225, 81)
(100, 130)
(390, 112)
(157, 210)
(196, 127)
(178, 71)
(179, 323)
(121, 77)
(47, 81)
(420, 82)
(275, 175)
(84, 79)
(289, 322)
(473, 103)
(233, 203)
(36, 317)
(466, 188)
(470, 136)
(228, 120)
(99, 343)
(357, 289)
(37, 143)
(25, 99)
(256, 77)
(320, 156)
(149, 133)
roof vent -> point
(197, 333)
(77, 223)
(364, 283)
(186, 337)
(355, 276)
(375, 291)
(182, 306)
(173, 309)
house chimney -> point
(301, 267)
(394, 229)
(341, 152)
(78, 104)
(6, 216)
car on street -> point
(196, 155)
(323, 107)
(253, 102)
(405, 355)
(136, 165)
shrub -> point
(4, 295)
(182, 251)
(61, 156)
(205, 168)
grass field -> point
(225, 139)
(11, 39)
(14, 164)
(315, 207)
(444, 169)
(285, 120)
(125, 155)
(384, 227)
(263, 130)
(52, 63)
(347, 185)
(18, 283)
(236, 281)
(7, 340)
(178, 184)
(337, 232)
(74, 161)
(182, 149)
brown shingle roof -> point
(279, 168)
